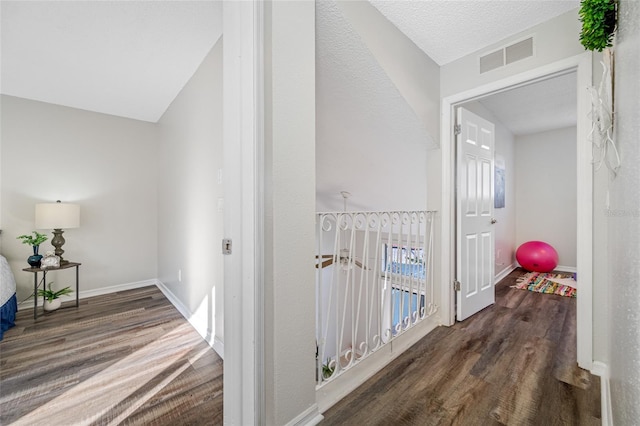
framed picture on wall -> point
(499, 184)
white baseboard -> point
(218, 346)
(202, 329)
(334, 390)
(564, 268)
(28, 304)
(309, 417)
(200, 326)
(602, 370)
(506, 271)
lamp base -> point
(57, 242)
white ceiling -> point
(538, 107)
(131, 58)
(450, 29)
(360, 113)
(126, 58)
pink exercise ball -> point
(537, 256)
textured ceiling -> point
(361, 120)
(131, 58)
(450, 29)
(126, 58)
(538, 107)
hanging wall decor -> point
(499, 183)
(605, 151)
(598, 19)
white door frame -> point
(243, 135)
(582, 65)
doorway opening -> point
(534, 182)
(581, 66)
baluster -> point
(365, 314)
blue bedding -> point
(8, 300)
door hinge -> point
(226, 246)
(456, 285)
(457, 129)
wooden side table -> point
(44, 271)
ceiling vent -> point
(506, 55)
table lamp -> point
(57, 216)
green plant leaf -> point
(50, 294)
(598, 19)
(33, 241)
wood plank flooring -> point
(513, 363)
(130, 358)
(127, 358)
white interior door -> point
(474, 211)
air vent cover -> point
(491, 61)
(515, 52)
(507, 55)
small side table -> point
(44, 271)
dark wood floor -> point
(127, 358)
(130, 358)
(514, 363)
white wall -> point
(377, 98)
(189, 220)
(106, 164)
(554, 40)
(1, 222)
(505, 228)
(546, 191)
(289, 279)
(624, 225)
(414, 74)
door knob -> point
(493, 221)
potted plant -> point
(34, 241)
(52, 298)
(328, 368)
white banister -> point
(374, 282)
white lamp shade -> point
(57, 216)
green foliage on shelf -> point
(33, 241)
(598, 19)
(50, 295)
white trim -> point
(96, 292)
(581, 63)
(564, 268)
(447, 221)
(309, 417)
(259, 210)
(332, 392)
(506, 271)
(584, 220)
(218, 346)
(243, 140)
(201, 328)
(509, 269)
(199, 324)
(601, 369)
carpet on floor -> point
(562, 284)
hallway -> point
(513, 363)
